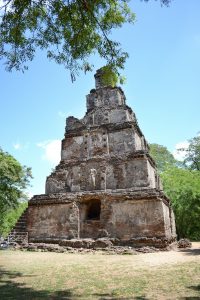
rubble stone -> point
(184, 243)
(102, 243)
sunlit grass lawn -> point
(44, 275)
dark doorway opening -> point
(94, 210)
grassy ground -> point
(43, 275)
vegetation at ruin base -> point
(14, 179)
(192, 157)
(11, 216)
(45, 275)
(163, 158)
(181, 183)
(70, 31)
(182, 186)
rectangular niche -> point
(93, 210)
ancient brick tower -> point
(106, 183)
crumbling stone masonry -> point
(106, 184)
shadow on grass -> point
(112, 296)
(190, 298)
(195, 251)
(9, 289)
(195, 288)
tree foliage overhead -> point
(14, 178)
(164, 2)
(70, 31)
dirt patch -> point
(172, 257)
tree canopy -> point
(182, 186)
(14, 178)
(181, 183)
(162, 157)
(70, 31)
(192, 153)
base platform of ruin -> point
(129, 218)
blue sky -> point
(163, 88)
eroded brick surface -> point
(106, 184)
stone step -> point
(19, 232)
(16, 229)
(19, 229)
(23, 219)
(21, 222)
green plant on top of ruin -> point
(110, 77)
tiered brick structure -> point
(106, 184)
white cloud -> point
(17, 146)
(20, 146)
(180, 155)
(51, 151)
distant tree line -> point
(181, 183)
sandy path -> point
(172, 257)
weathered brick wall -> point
(53, 221)
(102, 175)
(133, 218)
(106, 183)
(104, 150)
(123, 216)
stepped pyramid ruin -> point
(106, 184)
